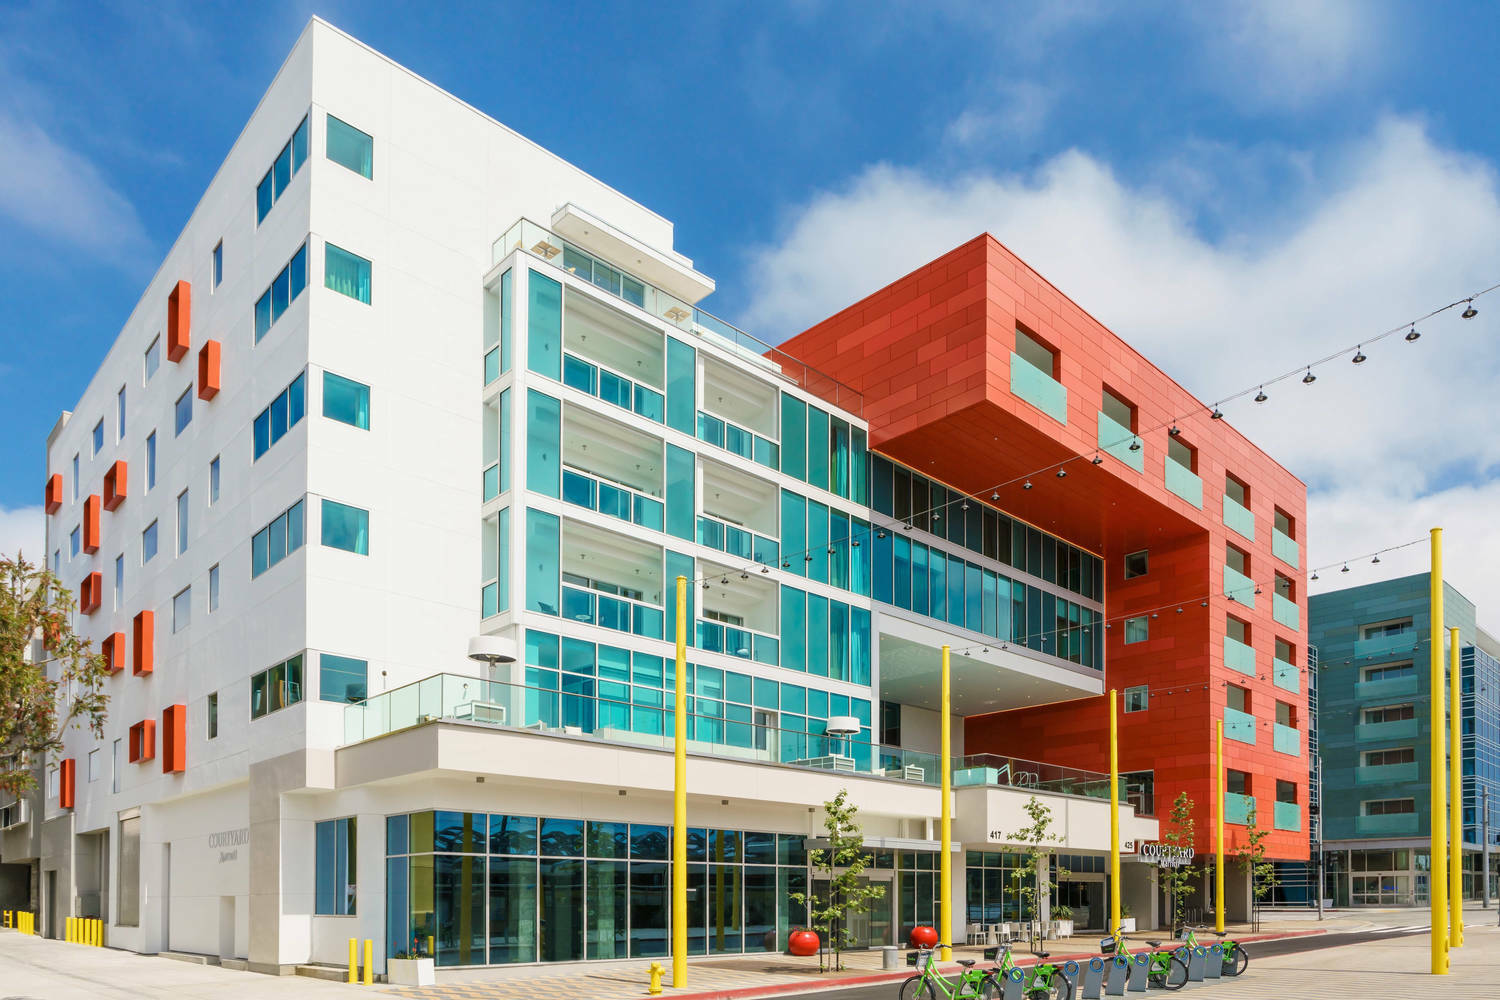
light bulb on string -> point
(1359, 355)
(1261, 397)
(1309, 378)
(1412, 335)
(1469, 311)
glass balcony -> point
(1239, 656)
(1115, 439)
(600, 382)
(1386, 690)
(611, 499)
(1385, 774)
(1237, 808)
(1286, 676)
(1288, 816)
(1285, 548)
(1238, 518)
(543, 243)
(1401, 729)
(1239, 726)
(996, 771)
(1182, 481)
(1285, 611)
(737, 541)
(1239, 587)
(1286, 739)
(492, 482)
(1038, 388)
(734, 438)
(1386, 826)
(608, 611)
(1386, 644)
(735, 640)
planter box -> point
(1064, 928)
(1127, 925)
(410, 972)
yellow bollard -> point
(430, 952)
(655, 971)
(98, 941)
(353, 958)
(70, 933)
(369, 962)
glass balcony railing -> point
(492, 481)
(1239, 726)
(1384, 690)
(1013, 772)
(608, 611)
(1288, 816)
(1038, 388)
(543, 243)
(734, 438)
(736, 640)
(627, 394)
(1237, 808)
(1239, 587)
(1239, 656)
(736, 541)
(1397, 729)
(1286, 676)
(1183, 482)
(1285, 611)
(1385, 774)
(1286, 739)
(1115, 438)
(1385, 826)
(611, 499)
(1386, 643)
(1238, 518)
(1284, 547)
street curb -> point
(806, 987)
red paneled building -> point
(982, 375)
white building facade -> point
(406, 380)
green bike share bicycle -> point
(1235, 958)
(1042, 981)
(1166, 970)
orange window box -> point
(179, 317)
(115, 485)
(143, 643)
(143, 741)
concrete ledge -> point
(332, 973)
(189, 957)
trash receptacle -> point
(890, 957)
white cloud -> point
(1015, 112)
(1286, 52)
(23, 530)
(1401, 226)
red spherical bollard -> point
(923, 937)
(803, 943)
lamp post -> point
(1455, 799)
(1219, 828)
(679, 797)
(1114, 816)
(945, 861)
(1437, 848)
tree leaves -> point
(842, 863)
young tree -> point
(841, 866)
(1034, 879)
(1178, 879)
(1251, 858)
(41, 697)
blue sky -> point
(1234, 187)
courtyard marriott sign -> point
(1167, 856)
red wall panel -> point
(91, 508)
(67, 782)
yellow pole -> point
(1114, 816)
(1455, 800)
(353, 963)
(679, 799)
(1437, 882)
(1219, 828)
(369, 977)
(945, 861)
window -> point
(213, 588)
(890, 723)
(1137, 699)
(93, 765)
(119, 580)
(1237, 782)
(1286, 715)
(1388, 713)
(1236, 629)
(213, 715)
(128, 913)
(284, 413)
(346, 528)
(98, 437)
(283, 169)
(182, 522)
(1135, 564)
(150, 461)
(1380, 630)
(1182, 453)
(213, 481)
(1117, 409)
(1387, 807)
(1286, 791)
(334, 874)
(346, 401)
(1386, 758)
(1137, 629)
(341, 678)
(346, 273)
(152, 360)
(1236, 490)
(75, 478)
(1388, 672)
(276, 540)
(218, 265)
(1284, 587)
(1034, 352)
(1286, 652)
(290, 282)
(51, 782)
(182, 609)
(73, 544)
(1284, 522)
(1238, 698)
(349, 147)
(276, 687)
(182, 411)
(1237, 560)
(120, 414)
(114, 767)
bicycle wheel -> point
(990, 988)
(1238, 963)
(1177, 974)
(1058, 989)
(918, 988)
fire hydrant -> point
(656, 970)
